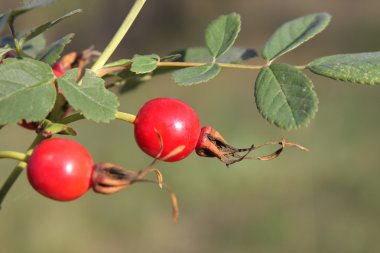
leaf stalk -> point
(22, 157)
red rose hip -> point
(60, 169)
(174, 122)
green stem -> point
(223, 65)
(194, 64)
(17, 171)
(72, 118)
(105, 71)
(301, 67)
(130, 118)
(18, 46)
(119, 35)
(14, 155)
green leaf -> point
(142, 64)
(170, 57)
(42, 28)
(293, 33)
(30, 48)
(363, 68)
(3, 20)
(28, 7)
(53, 52)
(132, 83)
(285, 96)
(221, 34)
(37, 3)
(202, 54)
(34, 46)
(128, 81)
(195, 75)
(26, 90)
(89, 95)
(49, 128)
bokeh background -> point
(326, 200)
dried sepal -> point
(160, 178)
(173, 198)
(283, 143)
(175, 207)
(109, 178)
(212, 144)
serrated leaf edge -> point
(202, 81)
(234, 37)
(293, 45)
(92, 100)
(297, 126)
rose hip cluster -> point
(166, 129)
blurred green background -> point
(326, 200)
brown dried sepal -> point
(212, 144)
(109, 178)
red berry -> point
(58, 69)
(176, 123)
(60, 169)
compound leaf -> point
(26, 90)
(221, 34)
(285, 96)
(53, 52)
(89, 95)
(195, 75)
(363, 68)
(293, 33)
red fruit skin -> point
(176, 122)
(58, 70)
(7, 55)
(60, 169)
